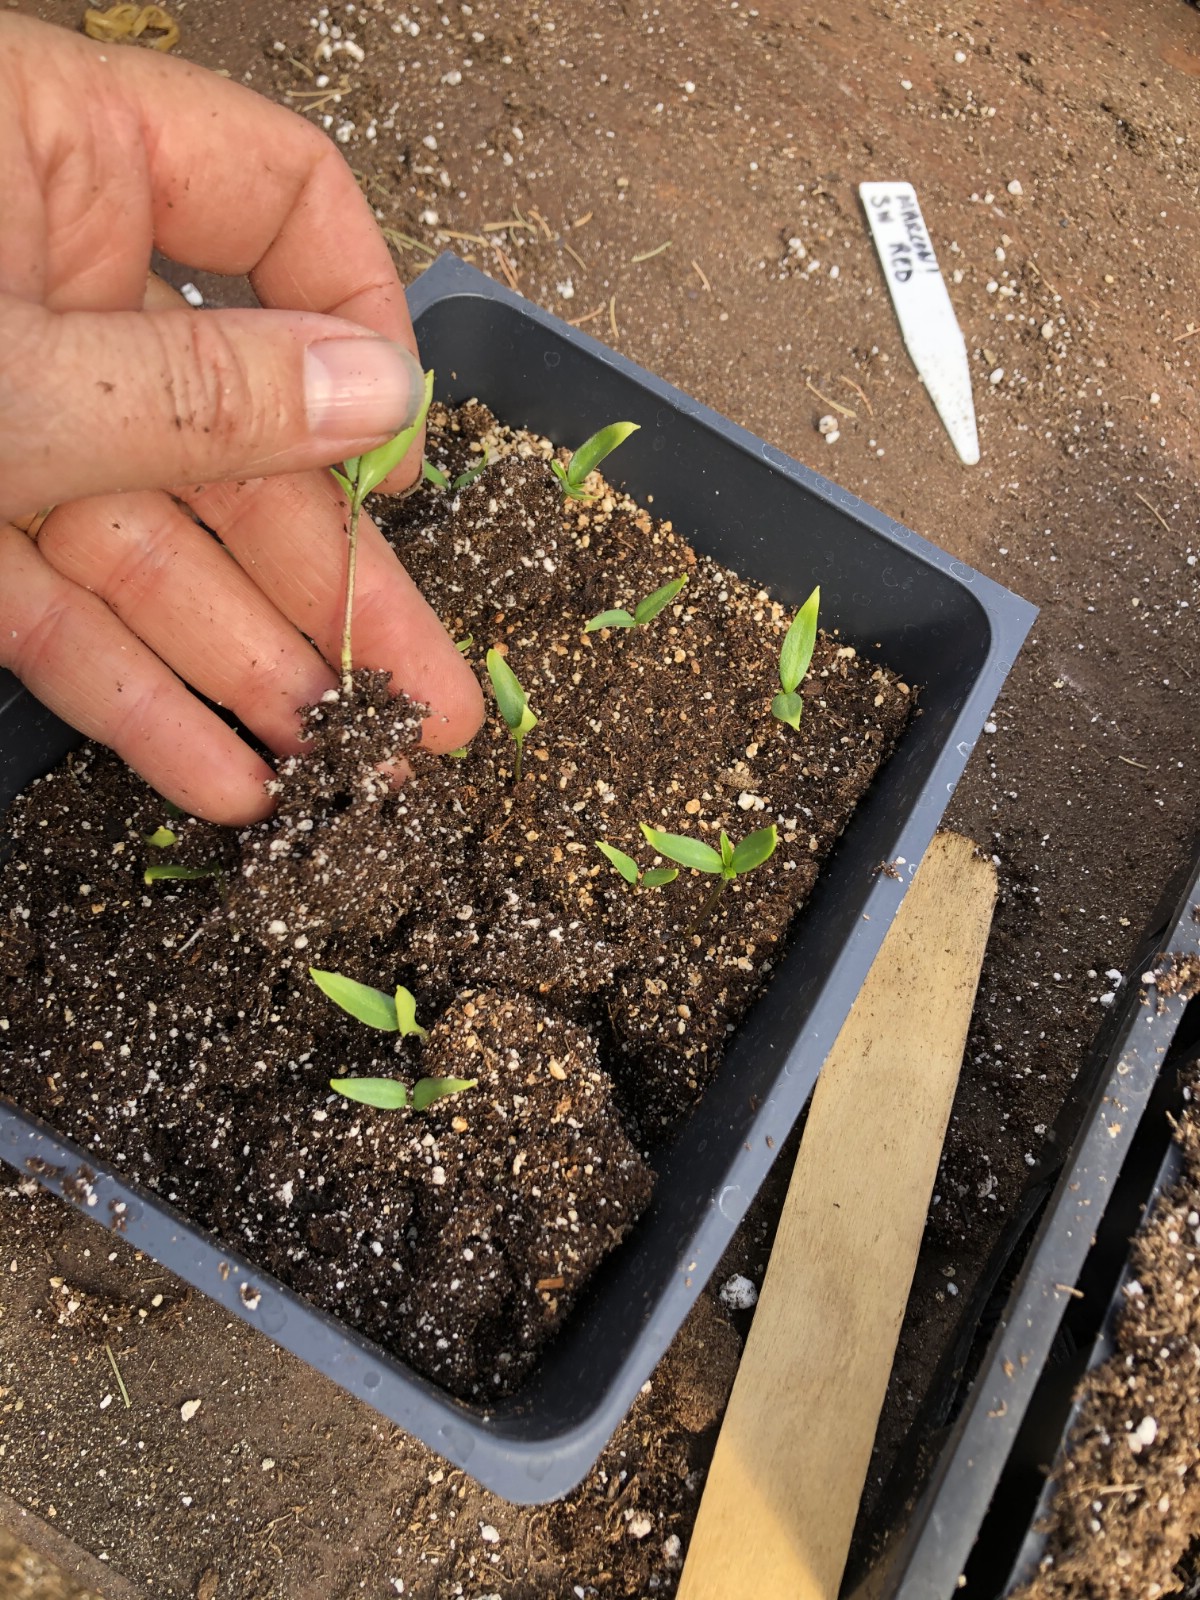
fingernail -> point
(361, 388)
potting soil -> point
(173, 1028)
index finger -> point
(241, 186)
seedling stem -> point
(358, 477)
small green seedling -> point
(794, 660)
(161, 838)
(185, 874)
(358, 477)
(645, 612)
(729, 862)
(390, 1013)
(439, 479)
(588, 457)
(463, 646)
(389, 1094)
(631, 872)
(514, 707)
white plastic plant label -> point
(926, 316)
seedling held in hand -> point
(645, 612)
(390, 1013)
(439, 479)
(794, 660)
(588, 457)
(514, 707)
(358, 477)
(729, 862)
(631, 872)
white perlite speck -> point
(189, 1409)
(738, 1293)
(1144, 1434)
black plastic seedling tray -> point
(973, 1534)
(1109, 1259)
(943, 626)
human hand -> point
(124, 599)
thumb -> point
(93, 401)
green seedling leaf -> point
(427, 1090)
(646, 611)
(385, 1094)
(787, 708)
(594, 450)
(161, 838)
(624, 864)
(346, 483)
(460, 754)
(726, 854)
(463, 645)
(374, 467)
(510, 696)
(434, 475)
(185, 874)
(797, 652)
(657, 876)
(610, 619)
(514, 707)
(406, 1016)
(568, 488)
(465, 479)
(173, 810)
(688, 852)
(372, 1006)
(649, 608)
(754, 849)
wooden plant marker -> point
(783, 1492)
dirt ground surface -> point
(1056, 149)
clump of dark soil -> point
(172, 1028)
(1126, 1504)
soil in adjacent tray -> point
(1126, 1507)
(173, 1028)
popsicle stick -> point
(783, 1491)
